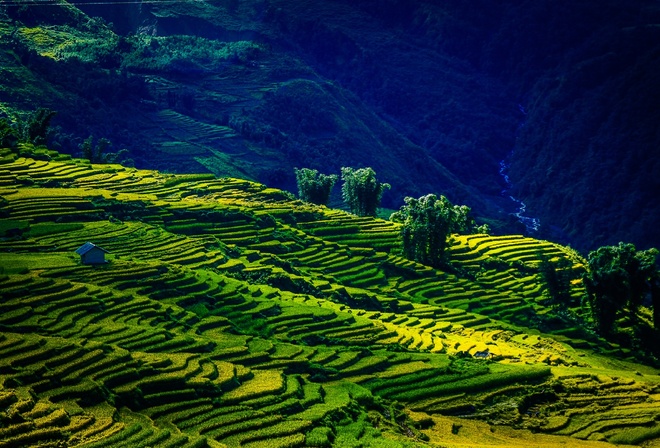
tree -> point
(618, 278)
(655, 298)
(361, 191)
(8, 137)
(35, 127)
(427, 224)
(314, 187)
(557, 276)
(95, 154)
(32, 128)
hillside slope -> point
(230, 314)
(587, 157)
(437, 98)
(234, 93)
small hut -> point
(90, 253)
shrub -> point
(34, 128)
(319, 437)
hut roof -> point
(82, 250)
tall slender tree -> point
(98, 153)
(35, 127)
(557, 278)
(361, 190)
(8, 137)
(314, 187)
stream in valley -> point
(520, 208)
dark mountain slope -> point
(431, 95)
(586, 75)
(234, 93)
(587, 158)
(436, 100)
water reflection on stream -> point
(531, 224)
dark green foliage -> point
(31, 128)
(99, 153)
(313, 186)
(361, 191)
(36, 126)
(8, 137)
(427, 224)
(557, 278)
(618, 279)
(655, 297)
(94, 153)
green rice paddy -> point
(229, 314)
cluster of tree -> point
(427, 224)
(618, 281)
(95, 153)
(34, 128)
(99, 153)
(314, 187)
(361, 190)
(557, 276)
(28, 128)
(8, 137)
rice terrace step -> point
(230, 314)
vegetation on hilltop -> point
(313, 186)
(30, 128)
(361, 191)
(426, 225)
(231, 313)
(619, 279)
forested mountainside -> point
(232, 314)
(436, 97)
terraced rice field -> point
(231, 315)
